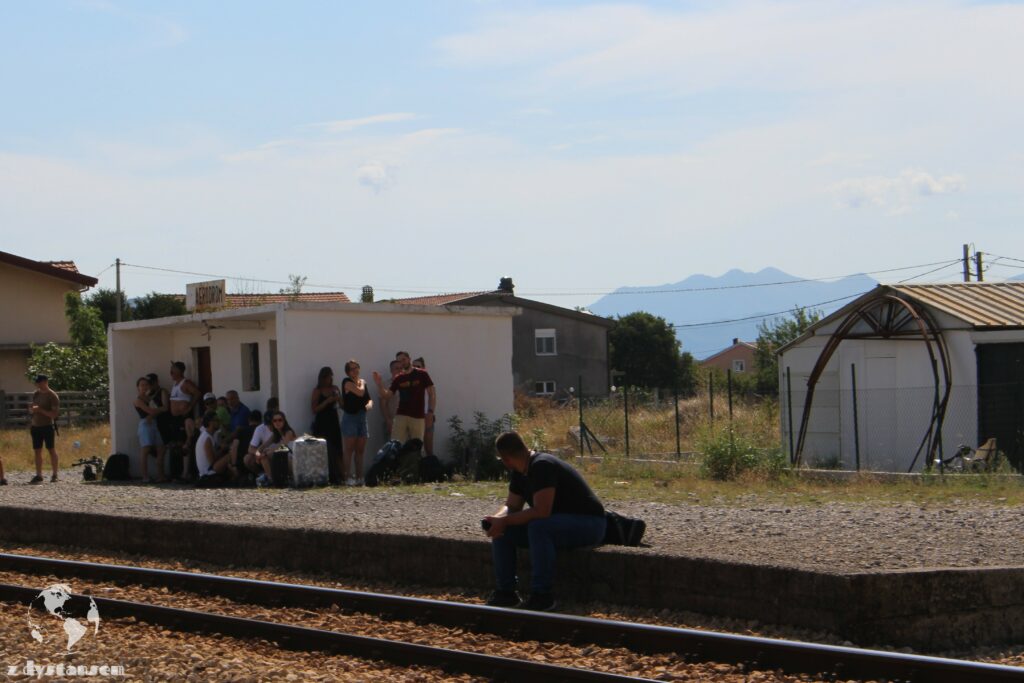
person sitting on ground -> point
(281, 434)
(209, 464)
(149, 435)
(240, 444)
(563, 513)
(239, 413)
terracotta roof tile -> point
(63, 265)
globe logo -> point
(53, 599)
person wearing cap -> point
(44, 410)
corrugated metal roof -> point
(980, 304)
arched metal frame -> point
(889, 317)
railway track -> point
(754, 652)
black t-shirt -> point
(353, 403)
(572, 493)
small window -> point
(250, 367)
(545, 388)
(545, 342)
(739, 365)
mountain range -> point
(709, 312)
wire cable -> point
(399, 290)
(768, 315)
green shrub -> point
(728, 455)
(473, 448)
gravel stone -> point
(835, 537)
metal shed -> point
(904, 374)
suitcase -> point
(308, 461)
(280, 462)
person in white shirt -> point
(208, 462)
(265, 440)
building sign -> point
(203, 296)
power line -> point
(942, 264)
(934, 270)
(767, 315)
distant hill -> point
(740, 301)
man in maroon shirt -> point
(414, 387)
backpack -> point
(116, 468)
(431, 470)
(623, 530)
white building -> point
(277, 350)
(934, 366)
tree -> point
(84, 323)
(105, 301)
(773, 335)
(155, 305)
(70, 368)
(295, 288)
(644, 347)
(81, 366)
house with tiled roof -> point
(737, 357)
(554, 349)
(32, 311)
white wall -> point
(469, 357)
(895, 390)
(132, 353)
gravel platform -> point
(832, 537)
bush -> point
(728, 455)
(474, 448)
(70, 368)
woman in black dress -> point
(325, 399)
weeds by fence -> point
(646, 424)
(76, 407)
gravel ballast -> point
(831, 537)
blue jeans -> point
(543, 537)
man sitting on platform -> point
(563, 513)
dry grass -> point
(16, 446)
(651, 429)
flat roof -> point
(270, 311)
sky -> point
(436, 146)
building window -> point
(545, 388)
(544, 341)
(250, 367)
(739, 365)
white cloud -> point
(895, 193)
(346, 125)
(763, 46)
(376, 175)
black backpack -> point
(623, 530)
(431, 470)
(117, 468)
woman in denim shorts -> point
(355, 401)
(149, 435)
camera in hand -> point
(485, 524)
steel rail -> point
(695, 645)
(313, 639)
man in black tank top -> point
(563, 513)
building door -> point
(204, 374)
(1001, 398)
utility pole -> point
(978, 269)
(967, 263)
(117, 291)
